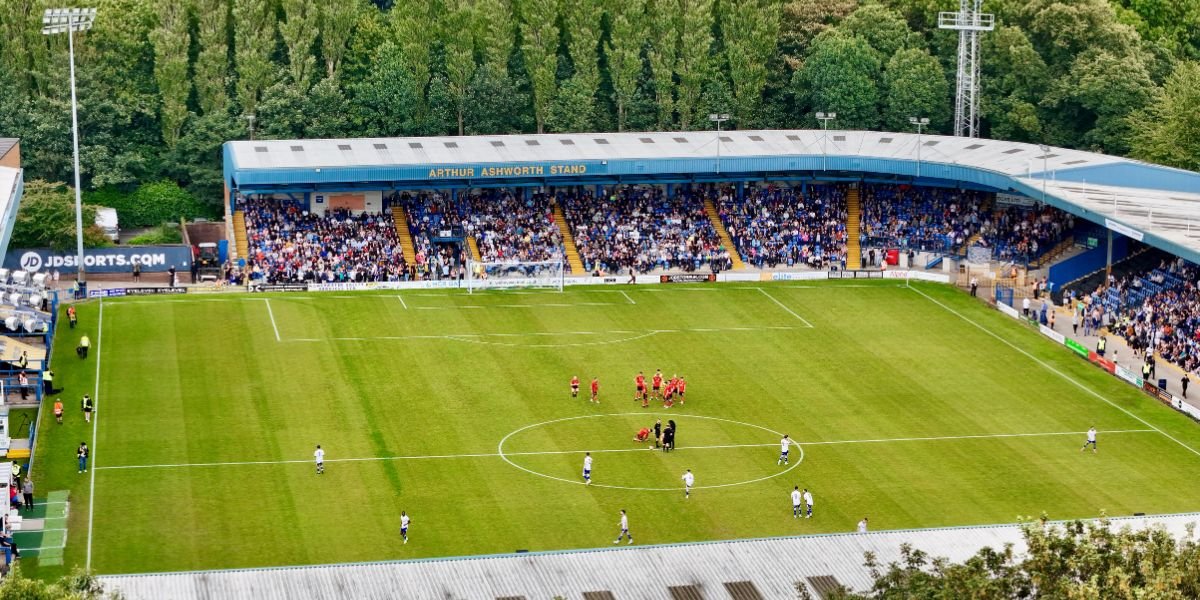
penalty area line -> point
(784, 307)
(611, 450)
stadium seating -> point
(782, 226)
(289, 244)
(1157, 309)
(641, 229)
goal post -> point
(498, 275)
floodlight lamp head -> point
(12, 323)
(1043, 147)
(820, 115)
(59, 20)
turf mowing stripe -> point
(620, 450)
(784, 307)
(1056, 371)
(95, 424)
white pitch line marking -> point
(457, 336)
(1055, 371)
(271, 313)
(402, 302)
(617, 450)
(95, 424)
(784, 307)
(623, 293)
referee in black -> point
(657, 432)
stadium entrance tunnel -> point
(720, 452)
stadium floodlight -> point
(4, 273)
(12, 323)
(39, 281)
(70, 20)
(13, 298)
(718, 118)
(250, 120)
(825, 118)
(1045, 170)
(20, 277)
(920, 122)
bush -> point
(163, 234)
(152, 204)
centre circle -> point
(508, 456)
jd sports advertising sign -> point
(101, 260)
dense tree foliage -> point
(163, 84)
(1073, 560)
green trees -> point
(539, 29)
(46, 219)
(1166, 131)
(751, 29)
(841, 74)
(914, 85)
(624, 49)
(254, 29)
(1073, 560)
(170, 40)
(163, 84)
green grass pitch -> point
(455, 408)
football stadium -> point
(662, 299)
(458, 324)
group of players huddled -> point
(660, 390)
(664, 390)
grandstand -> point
(453, 406)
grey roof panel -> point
(773, 566)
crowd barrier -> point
(1124, 373)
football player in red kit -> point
(575, 386)
(596, 390)
(640, 393)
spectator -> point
(638, 228)
(781, 226)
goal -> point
(489, 275)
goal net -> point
(489, 275)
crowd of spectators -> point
(787, 226)
(430, 215)
(1158, 311)
(1023, 234)
(288, 244)
(919, 218)
(509, 228)
(641, 229)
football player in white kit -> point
(624, 529)
(587, 468)
(783, 450)
(797, 498)
(688, 481)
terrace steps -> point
(240, 239)
(400, 216)
(473, 249)
(714, 217)
(853, 223)
(569, 248)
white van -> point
(106, 219)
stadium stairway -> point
(564, 230)
(240, 239)
(710, 209)
(853, 216)
(400, 216)
(473, 248)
